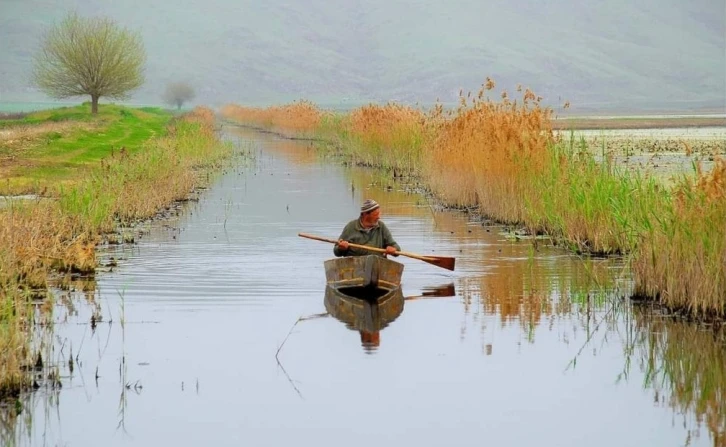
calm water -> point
(535, 348)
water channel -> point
(201, 342)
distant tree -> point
(89, 56)
(177, 94)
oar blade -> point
(442, 261)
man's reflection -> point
(366, 317)
(370, 340)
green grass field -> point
(48, 148)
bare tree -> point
(89, 56)
(177, 94)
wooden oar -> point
(439, 261)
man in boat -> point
(368, 230)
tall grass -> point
(299, 118)
(502, 158)
(14, 355)
(39, 237)
(487, 153)
(682, 257)
(391, 136)
(589, 205)
(165, 169)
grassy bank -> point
(47, 149)
(125, 165)
(502, 158)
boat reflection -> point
(364, 313)
(369, 310)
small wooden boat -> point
(364, 271)
(364, 291)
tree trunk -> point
(94, 104)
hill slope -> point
(603, 55)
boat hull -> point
(363, 271)
(364, 292)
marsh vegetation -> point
(502, 159)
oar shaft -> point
(402, 253)
(366, 247)
(415, 256)
(317, 238)
(350, 244)
(440, 261)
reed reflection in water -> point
(685, 367)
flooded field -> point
(663, 153)
(212, 330)
(717, 133)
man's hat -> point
(369, 205)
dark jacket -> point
(378, 237)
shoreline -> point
(637, 122)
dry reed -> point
(486, 155)
(391, 136)
(301, 117)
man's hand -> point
(390, 250)
(343, 245)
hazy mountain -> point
(649, 54)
